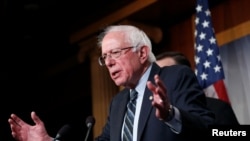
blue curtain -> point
(235, 58)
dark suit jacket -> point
(224, 114)
(184, 93)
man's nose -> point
(109, 60)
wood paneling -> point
(110, 19)
(234, 33)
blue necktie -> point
(129, 119)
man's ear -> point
(144, 53)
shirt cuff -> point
(175, 121)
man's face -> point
(124, 70)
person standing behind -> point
(224, 114)
(169, 103)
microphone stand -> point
(87, 135)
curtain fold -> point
(235, 59)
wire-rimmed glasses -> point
(115, 53)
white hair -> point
(133, 35)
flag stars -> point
(205, 24)
(206, 64)
(209, 52)
(203, 76)
(217, 68)
(208, 13)
(207, 59)
(197, 20)
(196, 72)
(199, 48)
(212, 40)
(197, 60)
(202, 36)
(198, 8)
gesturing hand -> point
(160, 99)
(23, 131)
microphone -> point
(90, 121)
(62, 133)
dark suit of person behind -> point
(224, 114)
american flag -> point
(209, 70)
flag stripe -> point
(221, 90)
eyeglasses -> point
(115, 53)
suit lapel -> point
(146, 108)
(120, 109)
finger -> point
(151, 86)
(15, 119)
(154, 91)
(13, 125)
(160, 84)
(161, 89)
(161, 99)
(14, 135)
(157, 98)
(35, 118)
(12, 122)
(15, 130)
(161, 111)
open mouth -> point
(115, 74)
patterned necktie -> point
(129, 119)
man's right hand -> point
(23, 131)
